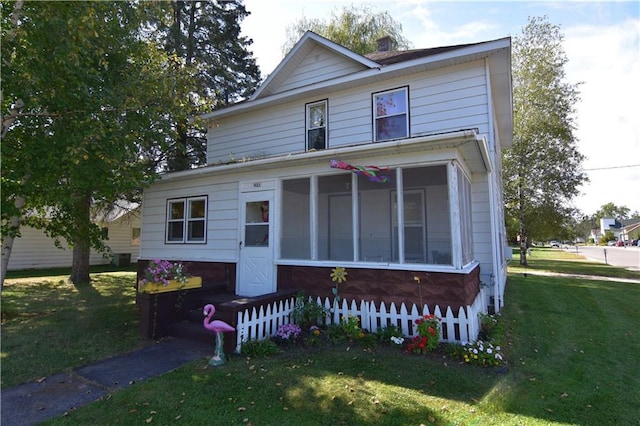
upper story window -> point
(390, 114)
(316, 126)
(187, 220)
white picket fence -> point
(263, 323)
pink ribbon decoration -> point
(368, 171)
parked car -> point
(555, 244)
(611, 243)
(620, 243)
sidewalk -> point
(584, 277)
(35, 402)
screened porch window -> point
(466, 228)
(335, 218)
(296, 219)
(405, 220)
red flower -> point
(432, 331)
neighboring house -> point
(34, 249)
(610, 225)
(270, 213)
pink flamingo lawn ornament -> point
(218, 327)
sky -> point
(601, 41)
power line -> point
(611, 168)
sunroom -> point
(411, 224)
(416, 216)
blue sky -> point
(602, 42)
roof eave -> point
(463, 54)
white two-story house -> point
(414, 210)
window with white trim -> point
(391, 114)
(316, 125)
(187, 220)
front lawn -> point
(571, 346)
(50, 326)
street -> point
(624, 257)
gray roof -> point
(394, 56)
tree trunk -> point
(81, 241)
(523, 250)
(7, 241)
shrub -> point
(490, 327)
(307, 313)
(385, 334)
(348, 329)
(259, 348)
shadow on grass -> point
(66, 272)
(50, 325)
(331, 385)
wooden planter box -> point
(157, 306)
(153, 288)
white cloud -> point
(607, 61)
(605, 57)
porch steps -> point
(227, 308)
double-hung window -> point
(391, 114)
(187, 220)
(316, 127)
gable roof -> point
(302, 48)
(378, 66)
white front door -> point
(256, 270)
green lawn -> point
(50, 326)
(556, 260)
(571, 346)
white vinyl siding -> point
(319, 65)
(440, 101)
(222, 220)
(35, 250)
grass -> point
(571, 346)
(50, 326)
(554, 260)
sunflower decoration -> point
(338, 275)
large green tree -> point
(212, 63)
(357, 28)
(543, 170)
(610, 210)
(87, 100)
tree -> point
(210, 60)
(610, 210)
(542, 171)
(356, 28)
(93, 100)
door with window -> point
(256, 270)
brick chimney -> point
(385, 44)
